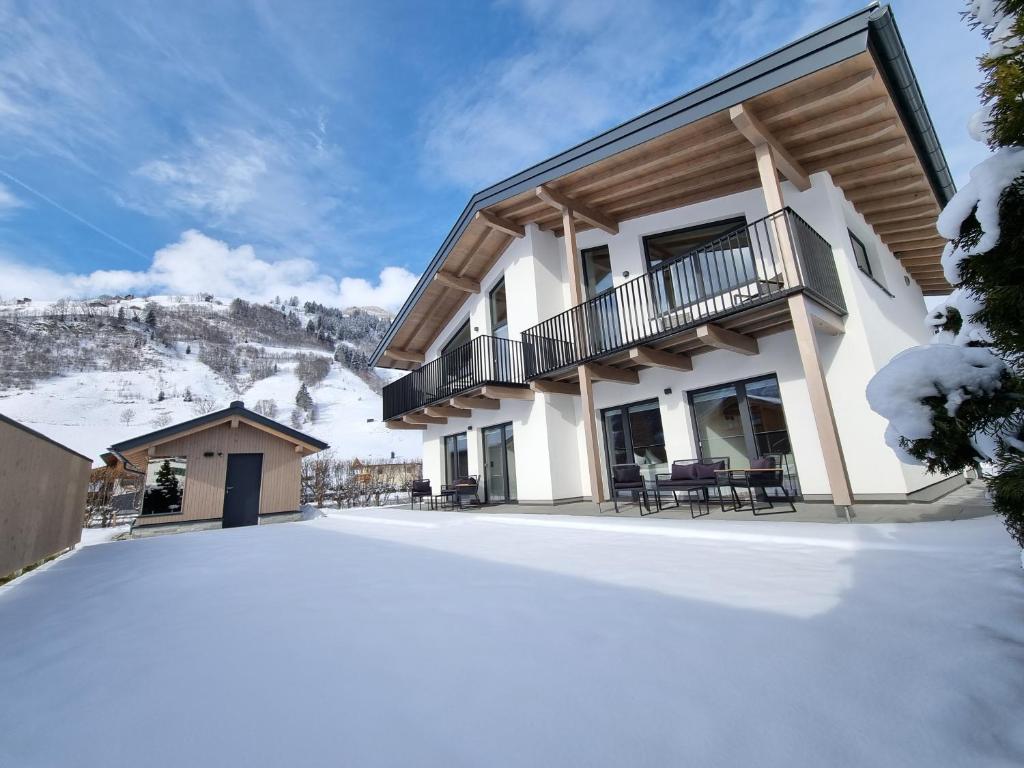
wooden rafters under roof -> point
(841, 119)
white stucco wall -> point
(550, 456)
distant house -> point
(228, 468)
(398, 474)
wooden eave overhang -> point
(842, 100)
(233, 415)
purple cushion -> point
(767, 462)
(626, 474)
(707, 471)
(684, 471)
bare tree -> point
(266, 407)
(202, 405)
(127, 416)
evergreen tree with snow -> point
(303, 399)
(151, 317)
(958, 403)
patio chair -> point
(464, 488)
(765, 474)
(694, 476)
(418, 491)
(627, 477)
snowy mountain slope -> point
(88, 410)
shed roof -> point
(236, 410)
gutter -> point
(891, 55)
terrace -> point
(488, 365)
(722, 293)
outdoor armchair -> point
(627, 477)
(691, 476)
(418, 491)
(765, 474)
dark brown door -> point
(242, 489)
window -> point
(743, 421)
(499, 309)
(597, 270)
(633, 434)
(165, 486)
(860, 254)
(456, 457)
(460, 338)
(686, 269)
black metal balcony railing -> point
(744, 268)
(484, 360)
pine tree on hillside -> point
(151, 317)
(303, 399)
(958, 403)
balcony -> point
(484, 361)
(743, 276)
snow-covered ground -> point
(398, 638)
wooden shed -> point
(225, 469)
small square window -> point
(499, 307)
(860, 254)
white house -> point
(720, 276)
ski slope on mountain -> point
(90, 410)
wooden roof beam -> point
(885, 204)
(853, 159)
(721, 338)
(447, 412)
(847, 140)
(872, 174)
(833, 121)
(458, 283)
(820, 96)
(549, 387)
(911, 225)
(501, 224)
(874, 191)
(405, 355)
(475, 402)
(507, 393)
(904, 215)
(580, 211)
(600, 372)
(757, 133)
(422, 418)
(658, 358)
(403, 425)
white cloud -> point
(8, 202)
(274, 190)
(200, 263)
(393, 287)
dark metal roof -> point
(236, 409)
(873, 28)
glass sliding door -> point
(499, 464)
(633, 434)
(743, 421)
(456, 457)
(720, 431)
(602, 312)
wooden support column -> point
(821, 402)
(807, 342)
(586, 381)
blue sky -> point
(325, 148)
